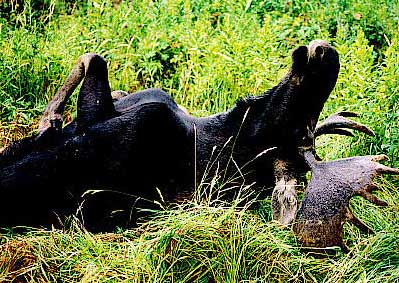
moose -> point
(123, 150)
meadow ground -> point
(206, 54)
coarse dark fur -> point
(144, 141)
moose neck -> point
(283, 113)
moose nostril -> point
(317, 48)
(319, 51)
(317, 42)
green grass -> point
(206, 54)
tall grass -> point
(207, 54)
(197, 243)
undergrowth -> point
(194, 242)
(206, 54)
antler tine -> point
(358, 223)
(370, 197)
(382, 169)
(338, 122)
(379, 157)
(347, 114)
(338, 131)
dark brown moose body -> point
(123, 151)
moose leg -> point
(284, 197)
(94, 102)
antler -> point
(324, 209)
(284, 199)
(338, 123)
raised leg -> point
(284, 197)
(284, 201)
(94, 102)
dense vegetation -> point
(206, 54)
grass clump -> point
(194, 242)
(207, 54)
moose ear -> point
(299, 58)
